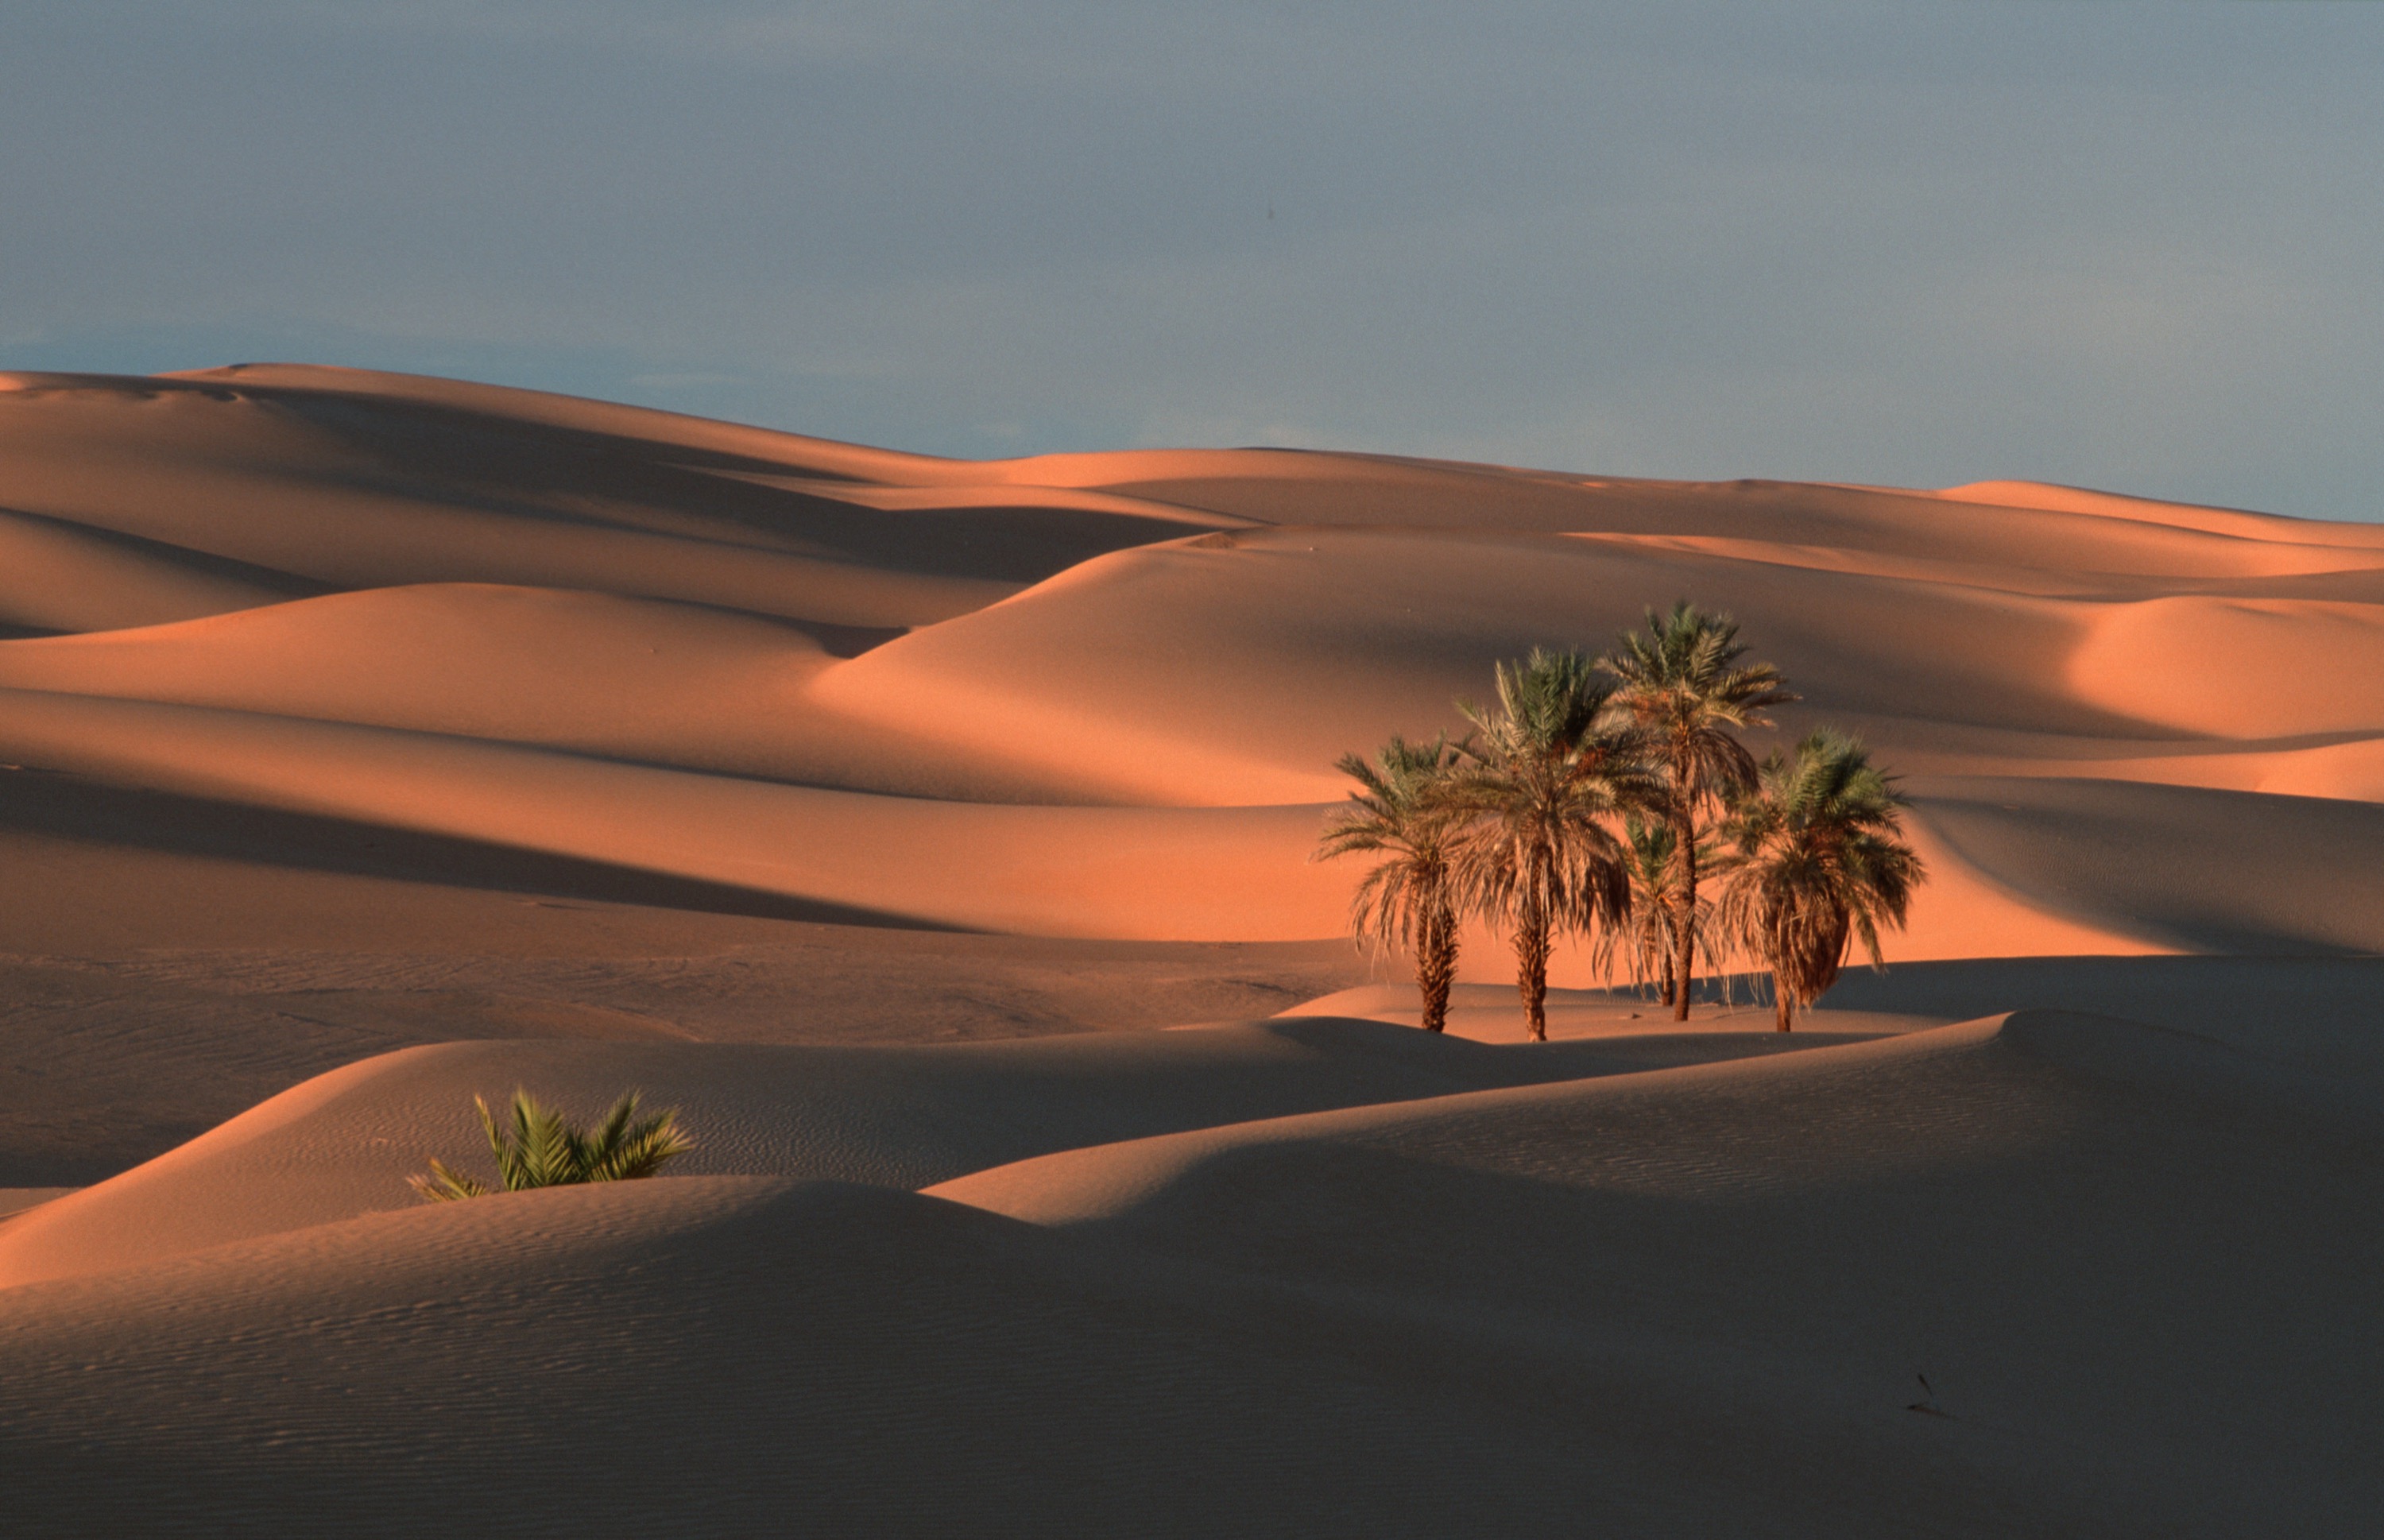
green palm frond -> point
(1545, 775)
(1816, 861)
(626, 1147)
(1682, 682)
(1684, 685)
(537, 1147)
(1403, 812)
(446, 1185)
(1549, 771)
(1644, 944)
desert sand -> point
(936, 835)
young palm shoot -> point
(1401, 810)
(537, 1147)
(1815, 859)
(1547, 771)
(1683, 684)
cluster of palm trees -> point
(1596, 796)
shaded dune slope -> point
(1689, 1300)
(736, 628)
(2044, 1209)
(343, 1143)
(435, 482)
(59, 576)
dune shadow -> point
(2199, 869)
(67, 807)
(2318, 1013)
(475, 458)
(2162, 991)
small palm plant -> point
(1684, 684)
(540, 1148)
(1551, 768)
(1816, 858)
(1402, 810)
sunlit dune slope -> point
(1101, 694)
(1147, 872)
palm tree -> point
(1550, 768)
(1683, 684)
(540, 1149)
(1646, 935)
(1402, 809)
(1815, 859)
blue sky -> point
(2133, 247)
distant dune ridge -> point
(1153, 629)
(429, 739)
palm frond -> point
(1682, 683)
(1402, 811)
(537, 1147)
(627, 1147)
(1643, 947)
(446, 1185)
(1545, 776)
(1815, 862)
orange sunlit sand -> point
(368, 742)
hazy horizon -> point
(2125, 247)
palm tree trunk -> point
(1668, 976)
(1685, 929)
(1531, 968)
(1784, 1002)
(1436, 969)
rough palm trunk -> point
(1436, 968)
(1668, 976)
(1532, 967)
(1684, 911)
(1784, 997)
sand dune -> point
(2240, 667)
(2316, 1014)
(423, 495)
(56, 575)
(630, 679)
(369, 742)
(1163, 873)
(343, 1144)
(1680, 1301)
(1194, 629)
(913, 1368)
(1617, 1213)
(474, 659)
